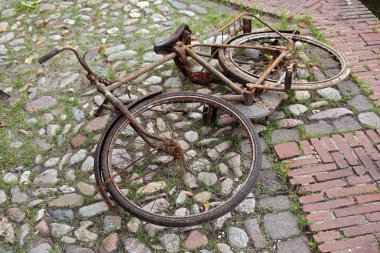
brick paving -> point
(348, 24)
(340, 190)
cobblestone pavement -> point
(48, 134)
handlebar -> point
(48, 56)
(80, 58)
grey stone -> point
(320, 128)
(46, 178)
(132, 245)
(285, 135)
(67, 200)
(280, 202)
(68, 80)
(173, 82)
(63, 215)
(187, 13)
(197, 9)
(127, 54)
(86, 189)
(41, 248)
(77, 249)
(302, 94)
(281, 225)
(94, 209)
(24, 231)
(226, 186)
(297, 109)
(3, 50)
(59, 230)
(360, 103)
(290, 123)
(152, 56)
(114, 49)
(84, 234)
(6, 37)
(347, 87)
(15, 214)
(111, 223)
(171, 242)
(152, 80)
(52, 162)
(268, 179)
(18, 196)
(88, 164)
(6, 231)
(78, 114)
(369, 119)
(346, 123)
(202, 197)
(237, 237)
(254, 233)
(294, 245)
(207, 178)
(276, 115)
(10, 178)
(177, 5)
(331, 114)
(247, 206)
(134, 225)
(44, 102)
(3, 196)
(330, 94)
(191, 136)
(78, 157)
(224, 248)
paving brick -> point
(368, 198)
(313, 169)
(373, 216)
(345, 244)
(323, 186)
(362, 229)
(370, 208)
(305, 160)
(360, 170)
(373, 136)
(321, 150)
(316, 197)
(359, 180)
(306, 147)
(338, 223)
(319, 216)
(334, 175)
(368, 146)
(339, 159)
(300, 180)
(327, 236)
(368, 164)
(287, 150)
(326, 205)
(366, 249)
(328, 143)
(350, 191)
(346, 150)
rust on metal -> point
(141, 71)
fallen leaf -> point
(303, 24)
(40, 42)
(29, 60)
(2, 30)
(190, 194)
(23, 131)
(40, 72)
(206, 205)
(102, 48)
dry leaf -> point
(40, 42)
(190, 194)
(2, 30)
(102, 48)
(65, 32)
(40, 72)
(206, 205)
(2, 124)
(46, 21)
(303, 24)
(23, 131)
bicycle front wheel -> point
(317, 65)
(214, 169)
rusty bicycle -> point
(184, 158)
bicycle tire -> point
(119, 124)
(229, 66)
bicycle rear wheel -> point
(213, 171)
(317, 65)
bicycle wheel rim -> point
(231, 67)
(213, 213)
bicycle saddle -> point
(182, 33)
